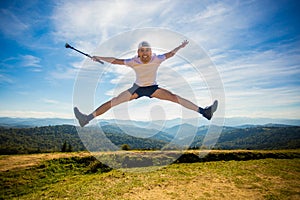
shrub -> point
(125, 147)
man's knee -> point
(171, 97)
(174, 98)
(115, 101)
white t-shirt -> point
(145, 73)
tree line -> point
(65, 138)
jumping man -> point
(145, 65)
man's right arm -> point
(111, 60)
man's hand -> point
(184, 43)
(174, 51)
(95, 58)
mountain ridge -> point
(51, 138)
(159, 124)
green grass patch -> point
(15, 183)
(86, 178)
(256, 179)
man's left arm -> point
(174, 51)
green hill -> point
(275, 175)
(52, 138)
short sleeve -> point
(129, 62)
(161, 57)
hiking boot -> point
(82, 118)
(209, 111)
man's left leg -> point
(164, 94)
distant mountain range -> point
(234, 122)
(33, 122)
(34, 135)
(113, 136)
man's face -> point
(145, 54)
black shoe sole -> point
(209, 111)
(214, 107)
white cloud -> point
(272, 102)
(27, 24)
(10, 24)
(252, 69)
(6, 79)
(261, 83)
(99, 20)
(50, 101)
(30, 61)
(34, 114)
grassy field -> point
(81, 176)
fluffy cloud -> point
(254, 51)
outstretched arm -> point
(174, 51)
(111, 60)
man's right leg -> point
(121, 98)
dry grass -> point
(13, 162)
(258, 179)
(253, 179)
(16, 162)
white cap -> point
(144, 44)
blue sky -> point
(254, 46)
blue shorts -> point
(143, 91)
